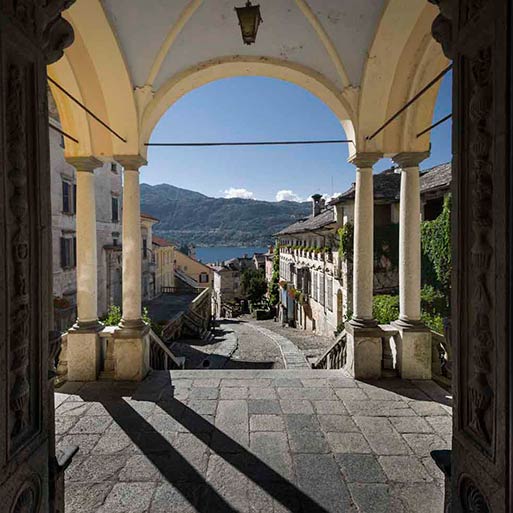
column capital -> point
(88, 164)
(131, 162)
(365, 159)
(407, 159)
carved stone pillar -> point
(32, 35)
(477, 36)
(414, 352)
(131, 345)
(364, 348)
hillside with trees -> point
(190, 217)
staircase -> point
(185, 283)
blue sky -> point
(253, 109)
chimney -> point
(316, 199)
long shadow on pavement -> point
(179, 472)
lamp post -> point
(249, 21)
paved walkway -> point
(293, 358)
(310, 344)
(254, 442)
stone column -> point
(131, 348)
(414, 340)
(83, 341)
(363, 254)
(364, 348)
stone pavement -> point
(311, 344)
(254, 441)
(293, 358)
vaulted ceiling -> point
(133, 59)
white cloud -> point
(328, 197)
(234, 192)
(287, 195)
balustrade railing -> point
(335, 356)
(161, 357)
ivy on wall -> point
(274, 287)
(345, 241)
(436, 246)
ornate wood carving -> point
(481, 396)
(20, 314)
(474, 34)
(28, 498)
(32, 33)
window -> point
(203, 278)
(329, 293)
(114, 242)
(74, 198)
(115, 209)
(321, 289)
(61, 142)
(114, 167)
(67, 197)
(145, 248)
(68, 252)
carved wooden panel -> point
(474, 33)
(31, 34)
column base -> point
(414, 349)
(83, 354)
(132, 328)
(87, 326)
(364, 350)
(358, 322)
(131, 352)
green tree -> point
(253, 285)
(274, 287)
(436, 245)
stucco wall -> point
(193, 268)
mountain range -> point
(191, 217)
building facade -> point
(316, 279)
(108, 189)
(164, 253)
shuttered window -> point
(329, 293)
(67, 197)
(68, 252)
(115, 209)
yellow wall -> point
(164, 269)
(193, 268)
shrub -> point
(385, 308)
(113, 316)
(433, 322)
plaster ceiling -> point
(330, 37)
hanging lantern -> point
(249, 21)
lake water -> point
(222, 253)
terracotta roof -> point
(159, 241)
(325, 218)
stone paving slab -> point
(255, 441)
